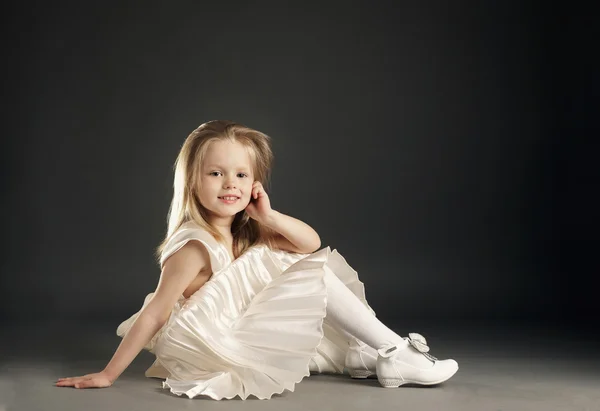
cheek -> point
(248, 188)
(247, 192)
(206, 190)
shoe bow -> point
(420, 344)
(416, 340)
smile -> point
(229, 199)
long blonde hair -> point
(186, 206)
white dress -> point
(256, 327)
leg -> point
(349, 314)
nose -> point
(230, 183)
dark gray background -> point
(445, 149)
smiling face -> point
(226, 171)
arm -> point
(292, 234)
(178, 272)
(287, 233)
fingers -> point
(77, 382)
(67, 382)
(257, 188)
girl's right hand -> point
(96, 380)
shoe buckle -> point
(387, 352)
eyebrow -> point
(219, 166)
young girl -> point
(245, 305)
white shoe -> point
(361, 360)
(411, 363)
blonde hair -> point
(186, 206)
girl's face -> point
(226, 172)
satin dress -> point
(257, 327)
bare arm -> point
(287, 233)
(178, 272)
(142, 330)
(292, 234)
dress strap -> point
(191, 231)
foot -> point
(410, 363)
(361, 360)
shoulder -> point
(191, 230)
(191, 257)
(196, 241)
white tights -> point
(347, 312)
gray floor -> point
(501, 368)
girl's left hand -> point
(96, 380)
(259, 207)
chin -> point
(215, 212)
(227, 211)
(223, 215)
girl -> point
(245, 305)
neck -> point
(222, 225)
